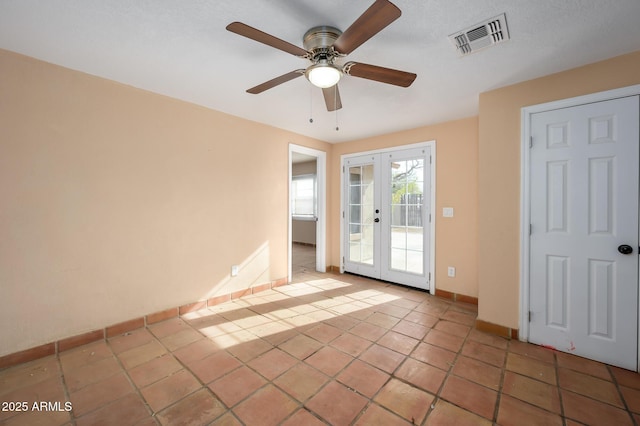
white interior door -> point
(386, 220)
(584, 221)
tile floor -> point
(303, 258)
(327, 349)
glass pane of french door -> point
(361, 213)
(407, 228)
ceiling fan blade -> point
(274, 82)
(332, 98)
(381, 74)
(372, 21)
(268, 39)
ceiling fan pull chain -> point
(335, 104)
(310, 104)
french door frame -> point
(525, 193)
(432, 225)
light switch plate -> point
(447, 212)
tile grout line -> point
(503, 373)
(301, 405)
(556, 386)
(370, 400)
(556, 367)
(390, 374)
(620, 394)
(204, 386)
(449, 371)
(137, 390)
(448, 374)
(587, 396)
(437, 396)
(153, 413)
(331, 378)
(406, 356)
(65, 388)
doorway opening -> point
(307, 210)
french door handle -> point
(376, 220)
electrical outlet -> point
(234, 270)
(451, 271)
(447, 212)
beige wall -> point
(116, 202)
(456, 186)
(499, 174)
(303, 231)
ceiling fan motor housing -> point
(319, 41)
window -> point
(303, 196)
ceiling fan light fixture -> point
(323, 74)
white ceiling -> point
(181, 49)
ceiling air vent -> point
(481, 35)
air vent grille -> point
(481, 35)
(477, 33)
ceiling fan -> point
(324, 44)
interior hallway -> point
(326, 349)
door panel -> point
(363, 197)
(406, 206)
(584, 204)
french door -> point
(387, 228)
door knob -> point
(376, 220)
(625, 249)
